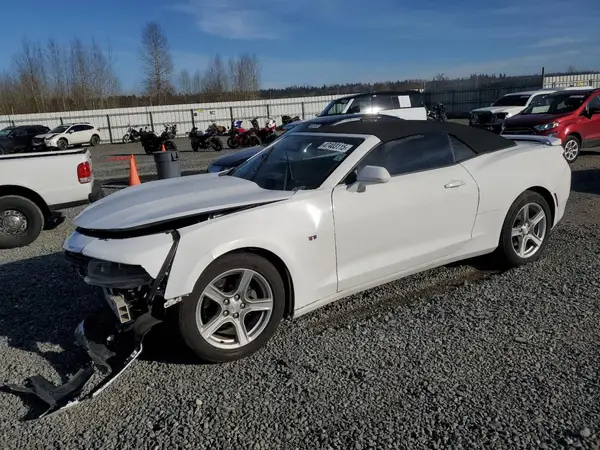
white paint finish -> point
(394, 230)
(408, 224)
(53, 177)
(282, 228)
(160, 200)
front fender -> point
(188, 265)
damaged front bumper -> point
(112, 339)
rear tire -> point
(170, 145)
(95, 140)
(21, 221)
(235, 313)
(572, 147)
(217, 144)
(534, 228)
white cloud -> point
(557, 42)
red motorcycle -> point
(267, 134)
(242, 137)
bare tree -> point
(31, 73)
(214, 82)
(157, 61)
(185, 83)
(56, 60)
(244, 76)
(196, 83)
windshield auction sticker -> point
(335, 146)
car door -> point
(425, 212)
(19, 140)
(75, 135)
(590, 125)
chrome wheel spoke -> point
(241, 332)
(244, 283)
(213, 326)
(215, 294)
(536, 240)
(263, 304)
(516, 232)
(522, 246)
(538, 218)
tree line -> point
(80, 75)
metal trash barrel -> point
(167, 164)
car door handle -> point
(454, 184)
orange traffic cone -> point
(134, 178)
(162, 147)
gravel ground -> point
(458, 357)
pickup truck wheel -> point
(95, 140)
(525, 230)
(234, 309)
(571, 146)
(62, 144)
(21, 221)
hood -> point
(500, 109)
(291, 125)
(233, 159)
(161, 201)
(46, 135)
(530, 120)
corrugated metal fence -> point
(586, 79)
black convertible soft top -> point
(388, 128)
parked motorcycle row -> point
(437, 113)
(208, 140)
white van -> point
(408, 105)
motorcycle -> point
(289, 119)
(437, 113)
(268, 133)
(132, 134)
(152, 143)
(205, 140)
(241, 136)
(170, 131)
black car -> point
(19, 139)
(232, 160)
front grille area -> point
(484, 117)
(78, 261)
(38, 141)
(518, 130)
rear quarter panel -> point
(52, 175)
(504, 175)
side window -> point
(594, 104)
(412, 154)
(360, 105)
(382, 103)
(75, 128)
(461, 150)
(32, 131)
(416, 99)
(86, 127)
(20, 132)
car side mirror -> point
(370, 175)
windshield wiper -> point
(288, 169)
(259, 165)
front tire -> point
(232, 143)
(572, 146)
(217, 144)
(526, 229)
(62, 144)
(21, 221)
(234, 309)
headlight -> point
(546, 126)
(115, 275)
(501, 116)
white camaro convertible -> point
(331, 209)
(334, 207)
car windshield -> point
(512, 100)
(297, 161)
(564, 102)
(335, 107)
(59, 129)
(5, 132)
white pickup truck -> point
(35, 186)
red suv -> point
(573, 115)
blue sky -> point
(329, 41)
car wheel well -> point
(575, 135)
(27, 193)
(283, 271)
(548, 197)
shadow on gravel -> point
(586, 181)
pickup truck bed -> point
(34, 186)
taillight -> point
(84, 172)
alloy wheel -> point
(529, 230)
